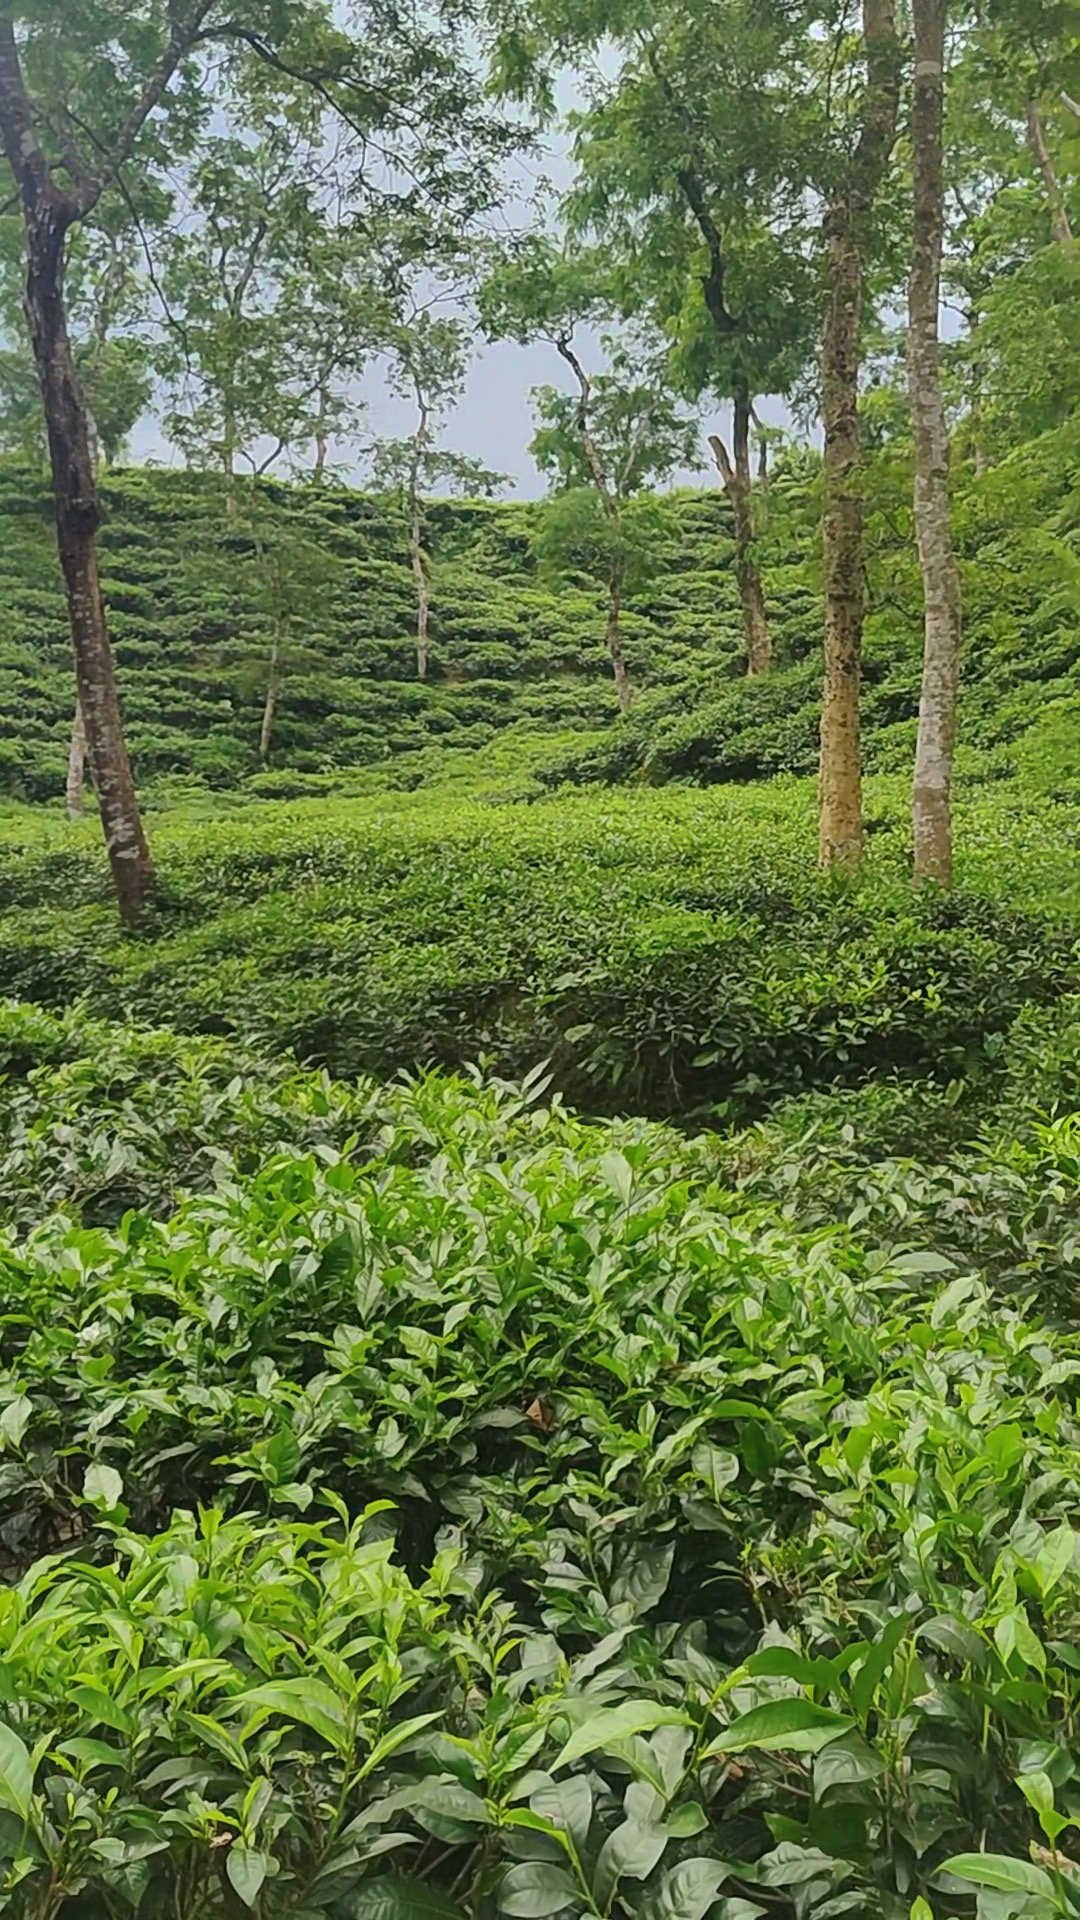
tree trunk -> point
(931, 810)
(322, 441)
(739, 486)
(623, 688)
(273, 689)
(76, 768)
(841, 831)
(1040, 152)
(423, 586)
(77, 520)
(609, 500)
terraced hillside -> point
(194, 599)
(192, 640)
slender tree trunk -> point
(738, 483)
(609, 500)
(76, 768)
(841, 830)
(1043, 158)
(931, 799)
(273, 689)
(77, 520)
(322, 441)
(228, 461)
(418, 560)
(623, 688)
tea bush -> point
(192, 636)
(467, 1511)
(668, 953)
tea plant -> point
(469, 1511)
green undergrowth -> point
(420, 1504)
(668, 954)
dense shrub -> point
(667, 953)
(728, 1566)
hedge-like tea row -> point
(574, 1538)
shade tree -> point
(614, 434)
(92, 94)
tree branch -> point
(25, 154)
(588, 444)
(182, 37)
(723, 459)
(713, 283)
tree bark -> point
(623, 689)
(1044, 160)
(423, 586)
(77, 520)
(931, 798)
(322, 440)
(609, 500)
(738, 484)
(48, 213)
(841, 831)
(75, 797)
(273, 690)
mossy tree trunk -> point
(48, 214)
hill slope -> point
(192, 627)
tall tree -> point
(847, 225)
(698, 196)
(616, 432)
(602, 447)
(269, 313)
(86, 89)
(428, 355)
(931, 799)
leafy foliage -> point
(667, 952)
(543, 1486)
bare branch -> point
(723, 459)
(588, 444)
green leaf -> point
(311, 1702)
(101, 1708)
(15, 1419)
(630, 1853)
(877, 1663)
(247, 1869)
(447, 1796)
(686, 1892)
(717, 1467)
(396, 1738)
(1054, 1558)
(16, 1774)
(606, 1729)
(567, 1804)
(796, 1726)
(103, 1487)
(846, 1763)
(1037, 1790)
(394, 1897)
(1001, 1871)
(536, 1890)
(617, 1173)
